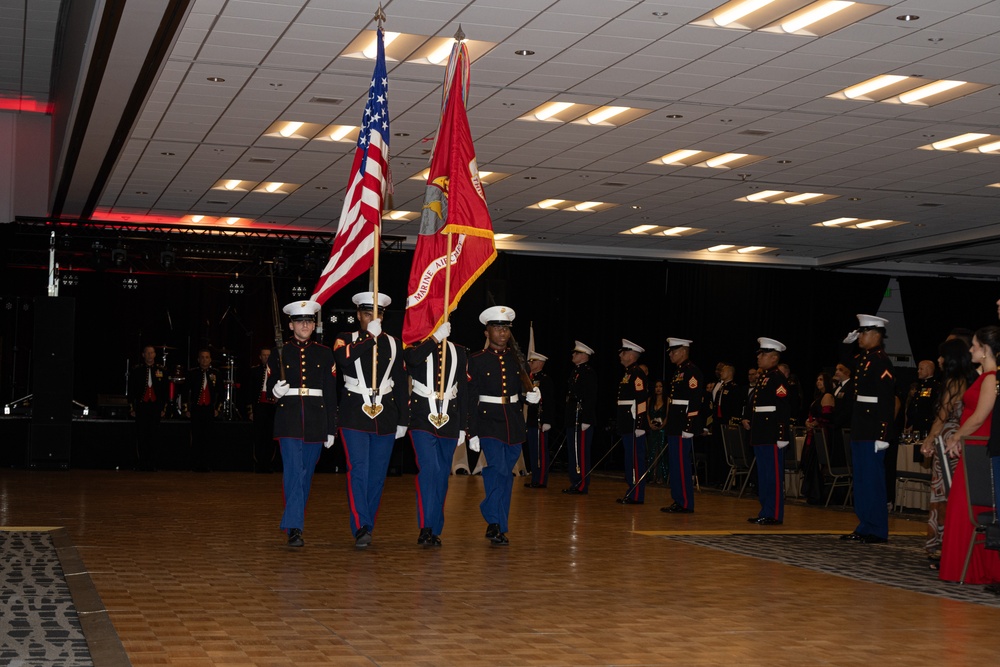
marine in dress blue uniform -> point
(684, 419)
(770, 432)
(871, 426)
(305, 412)
(437, 422)
(372, 415)
(581, 413)
(496, 422)
(631, 421)
(539, 422)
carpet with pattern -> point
(902, 563)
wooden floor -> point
(193, 571)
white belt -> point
(679, 401)
(352, 385)
(867, 399)
(498, 400)
(304, 391)
(632, 402)
(764, 408)
(420, 389)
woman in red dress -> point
(977, 412)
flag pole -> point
(444, 341)
(376, 232)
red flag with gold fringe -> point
(454, 204)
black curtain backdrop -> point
(935, 306)
(723, 309)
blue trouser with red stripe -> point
(635, 465)
(869, 489)
(681, 453)
(579, 458)
(298, 460)
(433, 455)
(368, 457)
(538, 451)
(498, 479)
(770, 480)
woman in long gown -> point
(977, 412)
(656, 440)
(958, 374)
(820, 417)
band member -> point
(871, 425)
(496, 423)
(539, 422)
(147, 395)
(632, 422)
(374, 410)
(770, 432)
(204, 396)
(305, 415)
(684, 419)
(259, 403)
(438, 414)
(581, 413)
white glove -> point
(400, 432)
(442, 332)
(639, 433)
(374, 327)
(474, 443)
(329, 441)
(533, 396)
(880, 445)
(782, 444)
(280, 388)
(584, 427)
(685, 434)
(851, 337)
(461, 438)
(546, 427)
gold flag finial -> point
(379, 15)
(459, 36)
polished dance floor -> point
(190, 569)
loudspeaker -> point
(52, 360)
(50, 445)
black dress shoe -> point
(676, 509)
(851, 537)
(362, 537)
(435, 541)
(629, 501)
(574, 491)
(499, 540)
(425, 536)
(753, 519)
(873, 539)
(767, 521)
(295, 538)
(492, 530)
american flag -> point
(354, 244)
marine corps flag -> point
(455, 221)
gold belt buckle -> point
(303, 391)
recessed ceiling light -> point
(400, 134)
(507, 104)
(725, 120)
(660, 14)
(907, 17)
(524, 52)
(322, 187)
(675, 115)
(215, 79)
(636, 207)
(530, 178)
(854, 199)
(141, 192)
(935, 39)
(784, 161)
(167, 153)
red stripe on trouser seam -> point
(416, 482)
(350, 488)
(777, 483)
(683, 471)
